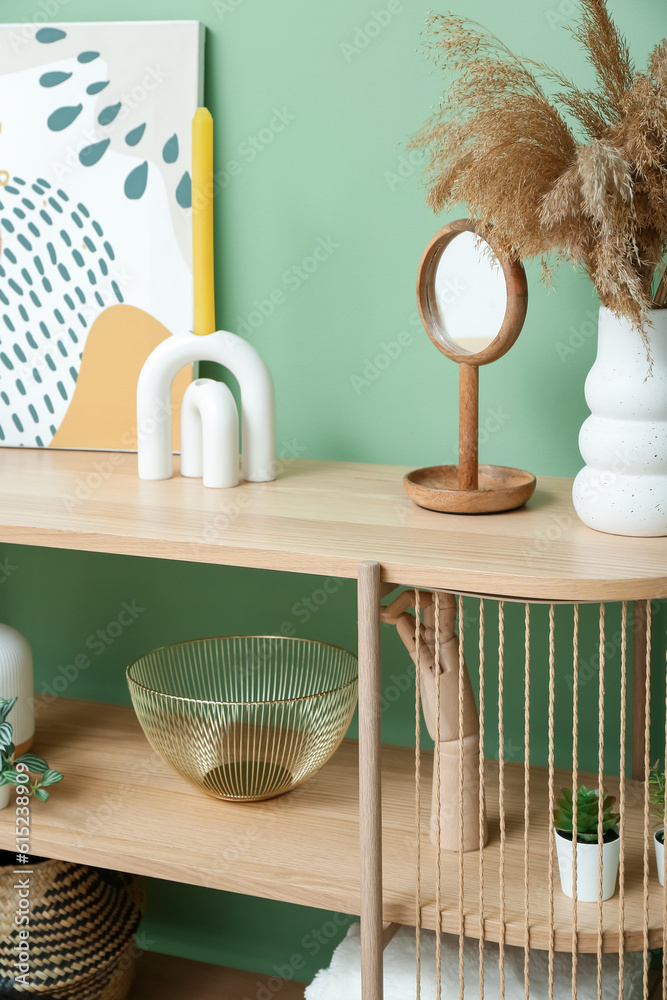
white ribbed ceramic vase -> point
(16, 682)
(623, 488)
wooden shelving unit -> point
(161, 977)
(126, 809)
(122, 807)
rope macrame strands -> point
(664, 888)
(461, 811)
(601, 672)
(501, 789)
(621, 799)
(482, 794)
(526, 802)
(438, 821)
(552, 696)
(575, 784)
(647, 818)
(501, 908)
(418, 804)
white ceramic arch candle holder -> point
(210, 434)
(257, 402)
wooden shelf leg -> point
(638, 687)
(370, 780)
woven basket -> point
(82, 926)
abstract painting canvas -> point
(95, 222)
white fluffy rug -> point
(343, 979)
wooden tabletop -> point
(323, 518)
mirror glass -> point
(466, 294)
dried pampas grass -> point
(572, 174)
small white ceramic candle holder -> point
(154, 448)
(210, 434)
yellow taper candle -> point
(202, 221)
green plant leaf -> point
(6, 705)
(657, 793)
(41, 794)
(37, 765)
(590, 809)
(6, 734)
(50, 777)
(13, 777)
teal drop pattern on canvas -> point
(184, 191)
(42, 331)
(135, 184)
(170, 150)
(62, 118)
(53, 79)
(135, 135)
(48, 35)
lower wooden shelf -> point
(161, 977)
(122, 807)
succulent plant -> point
(8, 761)
(587, 813)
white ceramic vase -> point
(587, 868)
(623, 488)
(659, 856)
(5, 795)
(16, 682)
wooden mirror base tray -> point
(499, 488)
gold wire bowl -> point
(245, 717)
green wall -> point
(338, 105)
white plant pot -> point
(587, 868)
(659, 856)
(623, 488)
(5, 795)
(16, 682)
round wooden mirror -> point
(472, 302)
